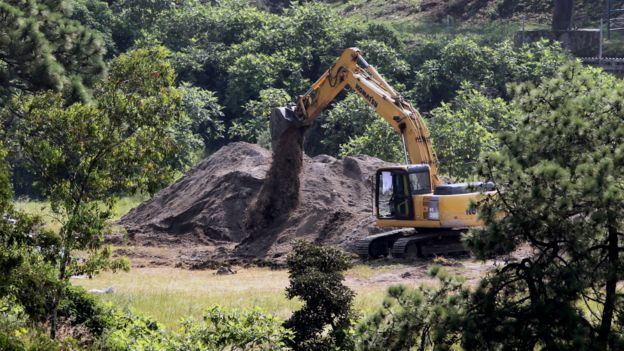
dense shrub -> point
(219, 329)
(129, 332)
(316, 277)
(489, 69)
(223, 329)
(82, 308)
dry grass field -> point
(171, 294)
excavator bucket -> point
(282, 119)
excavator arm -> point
(351, 70)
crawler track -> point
(379, 245)
(409, 243)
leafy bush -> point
(13, 322)
(316, 275)
(256, 128)
(82, 308)
(352, 127)
(348, 118)
(223, 329)
(219, 329)
(17, 332)
(205, 118)
(129, 332)
(489, 69)
(378, 140)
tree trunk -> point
(58, 294)
(562, 15)
(610, 288)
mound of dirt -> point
(207, 207)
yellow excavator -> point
(431, 214)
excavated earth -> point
(200, 221)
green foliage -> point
(392, 66)
(13, 324)
(81, 153)
(98, 17)
(6, 194)
(465, 128)
(252, 73)
(379, 140)
(487, 68)
(423, 318)
(82, 308)
(347, 119)
(316, 276)
(219, 329)
(26, 276)
(223, 329)
(129, 332)
(352, 127)
(560, 176)
(204, 112)
(238, 50)
(133, 18)
(17, 333)
(41, 48)
(256, 128)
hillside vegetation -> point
(104, 99)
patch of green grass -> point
(41, 209)
(51, 222)
(126, 203)
(170, 295)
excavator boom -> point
(352, 71)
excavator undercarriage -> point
(410, 243)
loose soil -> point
(280, 191)
(203, 216)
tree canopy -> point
(42, 48)
(560, 177)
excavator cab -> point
(396, 187)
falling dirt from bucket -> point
(280, 193)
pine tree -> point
(560, 178)
(41, 48)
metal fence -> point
(614, 16)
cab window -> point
(393, 196)
(420, 182)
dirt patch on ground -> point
(202, 215)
